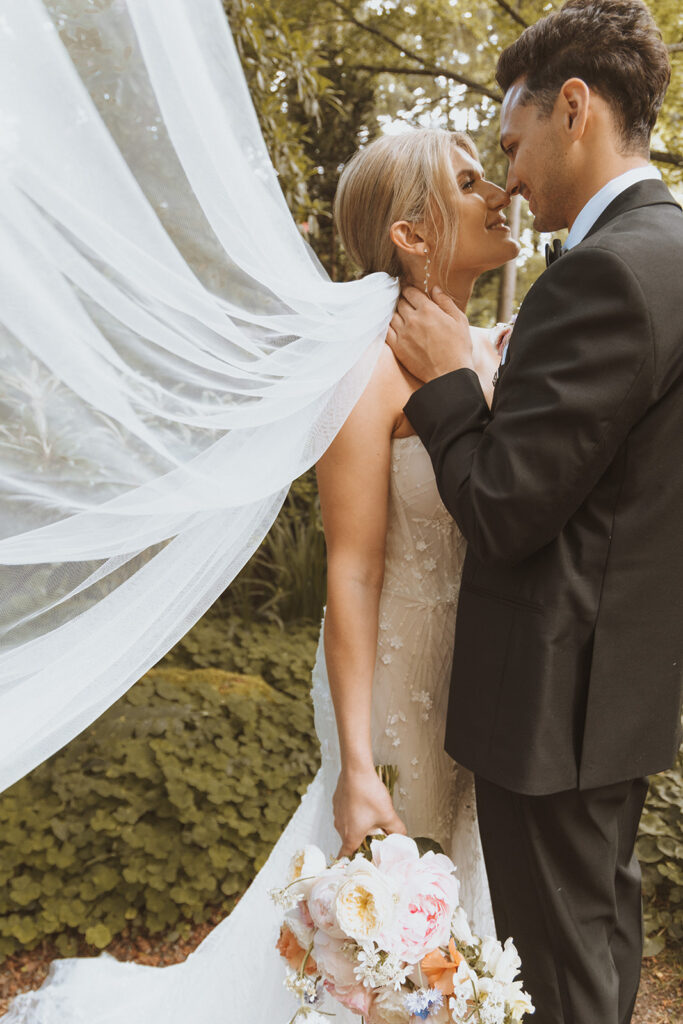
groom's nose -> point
(512, 185)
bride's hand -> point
(362, 804)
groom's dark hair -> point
(613, 45)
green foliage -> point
(283, 67)
(165, 807)
(660, 851)
(283, 658)
(285, 579)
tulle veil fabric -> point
(172, 355)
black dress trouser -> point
(565, 883)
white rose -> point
(304, 868)
(394, 849)
(334, 959)
(300, 924)
(321, 901)
(389, 1008)
(365, 905)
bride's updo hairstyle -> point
(400, 177)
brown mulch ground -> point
(660, 1000)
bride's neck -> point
(459, 289)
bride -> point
(416, 206)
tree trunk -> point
(508, 274)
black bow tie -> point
(554, 253)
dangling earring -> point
(426, 252)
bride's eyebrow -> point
(467, 172)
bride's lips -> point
(497, 225)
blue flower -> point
(421, 1002)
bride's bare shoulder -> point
(378, 414)
(389, 373)
(392, 385)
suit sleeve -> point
(580, 375)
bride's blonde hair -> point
(400, 177)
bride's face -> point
(484, 239)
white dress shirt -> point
(601, 200)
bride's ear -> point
(409, 238)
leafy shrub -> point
(660, 851)
(165, 807)
(285, 579)
(283, 657)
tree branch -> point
(513, 13)
(350, 16)
(428, 72)
(438, 72)
(666, 158)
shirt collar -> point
(601, 200)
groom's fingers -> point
(445, 302)
(413, 296)
(404, 309)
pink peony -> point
(429, 895)
(356, 998)
(301, 923)
(321, 902)
(334, 962)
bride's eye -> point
(468, 184)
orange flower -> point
(439, 970)
(288, 947)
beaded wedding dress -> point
(236, 976)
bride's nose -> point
(498, 198)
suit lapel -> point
(644, 193)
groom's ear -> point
(573, 105)
(409, 237)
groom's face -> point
(532, 145)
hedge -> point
(283, 657)
(163, 809)
(660, 851)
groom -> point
(568, 656)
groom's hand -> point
(430, 337)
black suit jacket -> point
(569, 641)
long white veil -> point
(172, 356)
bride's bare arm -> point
(353, 479)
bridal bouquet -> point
(383, 934)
